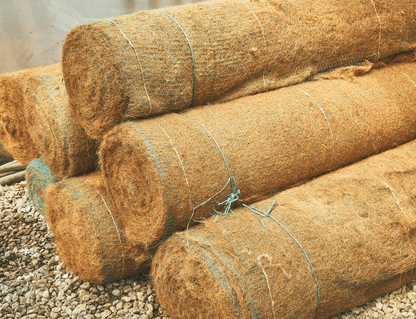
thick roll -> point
(39, 178)
(157, 170)
(13, 132)
(153, 62)
(62, 143)
(329, 245)
(87, 232)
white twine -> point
(267, 279)
(138, 60)
(180, 161)
(329, 124)
(119, 237)
(262, 31)
(379, 35)
(187, 182)
(394, 195)
(405, 75)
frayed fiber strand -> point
(154, 62)
(321, 248)
(166, 172)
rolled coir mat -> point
(62, 143)
(153, 62)
(165, 172)
(39, 178)
(312, 251)
(87, 232)
(13, 132)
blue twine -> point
(190, 47)
(39, 177)
(233, 196)
(262, 213)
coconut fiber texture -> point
(153, 62)
(61, 141)
(39, 177)
(323, 247)
(13, 132)
(157, 170)
(87, 232)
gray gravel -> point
(34, 283)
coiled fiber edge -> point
(39, 178)
(156, 170)
(352, 228)
(13, 131)
(87, 232)
(62, 143)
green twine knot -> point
(232, 197)
(262, 213)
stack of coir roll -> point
(194, 111)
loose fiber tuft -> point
(158, 170)
(347, 228)
(153, 62)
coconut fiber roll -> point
(164, 170)
(13, 132)
(61, 141)
(87, 232)
(153, 62)
(39, 178)
(309, 252)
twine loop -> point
(263, 213)
(118, 234)
(232, 197)
(192, 53)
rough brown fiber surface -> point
(39, 178)
(356, 225)
(141, 64)
(13, 131)
(87, 232)
(157, 169)
(62, 143)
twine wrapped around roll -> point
(61, 141)
(153, 62)
(88, 235)
(13, 131)
(39, 178)
(165, 171)
(309, 252)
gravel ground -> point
(34, 283)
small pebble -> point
(34, 282)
